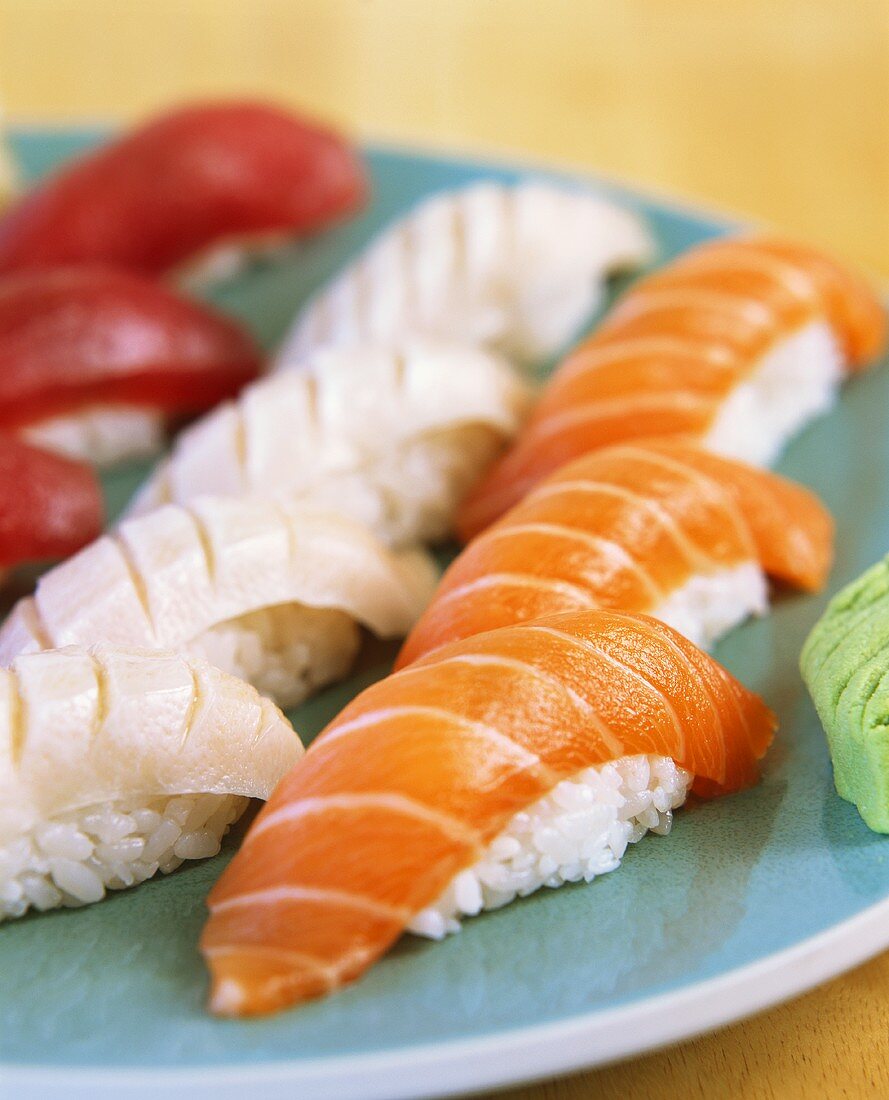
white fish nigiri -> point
(264, 590)
(117, 763)
(391, 436)
(516, 269)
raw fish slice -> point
(611, 370)
(180, 187)
(739, 342)
(417, 778)
(515, 269)
(660, 527)
(274, 594)
(49, 506)
(116, 762)
(94, 361)
(791, 529)
(391, 436)
(795, 279)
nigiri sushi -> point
(739, 342)
(657, 526)
(391, 436)
(269, 592)
(516, 269)
(524, 757)
(49, 506)
(118, 763)
(94, 362)
(192, 190)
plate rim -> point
(510, 1057)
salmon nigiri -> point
(739, 342)
(658, 526)
(523, 757)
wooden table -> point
(773, 108)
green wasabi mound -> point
(845, 663)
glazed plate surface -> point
(750, 900)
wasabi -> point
(845, 663)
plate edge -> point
(509, 1057)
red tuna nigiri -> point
(182, 183)
(739, 343)
(418, 777)
(79, 338)
(658, 526)
(49, 506)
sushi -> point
(271, 593)
(390, 436)
(516, 269)
(524, 757)
(49, 506)
(94, 363)
(118, 763)
(658, 526)
(844, 665)
(739, 343)
(193, 191)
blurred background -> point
(777, 109)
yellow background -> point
(773, 108)
(778, 108)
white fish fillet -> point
(83, 725)
(516, 269)
(391, 436)
(85, 732)
(262, 588)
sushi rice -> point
(74, 858)
(230, 257)
(287, 652)
(410, 495)
(578, 830)
(710, 605)
(101, 434)
(795, 382)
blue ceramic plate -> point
(751, 899)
